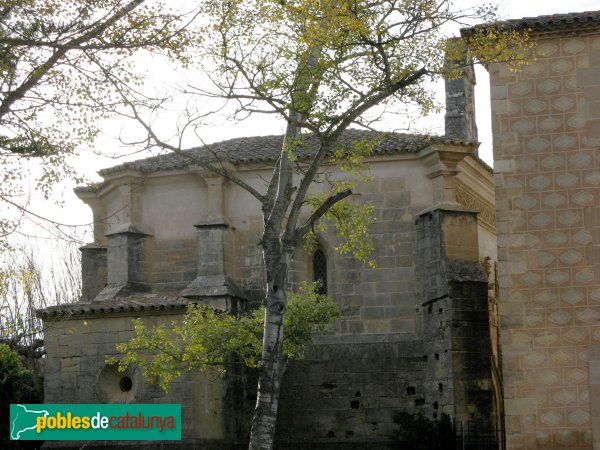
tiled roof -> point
(135, 303)
(263, 149)
(578, 20)
(95, 187)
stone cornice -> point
(472, 200)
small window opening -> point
(125, 384)
(320, 271)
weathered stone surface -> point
(93, 271)
(554, 275)
(125, 263)
(404, 327)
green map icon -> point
(23, 420)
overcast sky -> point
(75, 212)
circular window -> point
(125, 384)
(113, 386)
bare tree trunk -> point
(278, 250)
(269, 384)
(273, 360)
(277, 257)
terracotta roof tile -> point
(135, 303)
(575, 20)
(264, 149)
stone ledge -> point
(134, 303)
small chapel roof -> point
(134, 303)
(265, 149)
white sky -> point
(75, 212)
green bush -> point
(417, 432)
(16, 386)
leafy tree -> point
(52, 94)
(207, 338)
(320, 66)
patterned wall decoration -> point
(487, 211)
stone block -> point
(392, 184)
(377, 300)
(373, 312)
(498, 92)
(94, 271)
(380, 275)
(504, 166)
(377, 326)
(69, 365)
(396, 199)
(499, 107)
(392, 287)
(592, 110)
(352, 301)
(350, 276)
(345, 289)
(588, 77)
(404, 261)
(592, 92)
(594, 371)
(520, 406)
(386, 262)
(406, 325)
(397, 312)
(355, 326)
(594, 57)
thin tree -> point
(320, 66)
(27, 284)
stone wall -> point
(94, 271)
(214, 408)
(547, 164)
(397, 346)
(380, 300)
(451, 289)
(346, 392)
(171, 263)
(351, 384)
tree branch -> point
(319, 212)
(39, 72)
(187, 153)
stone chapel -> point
(414, 333)
(423, 331)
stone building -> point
(414, 334)
(546, 128)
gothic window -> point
(320, 271)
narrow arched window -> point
(320, 271)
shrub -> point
(16, 386)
